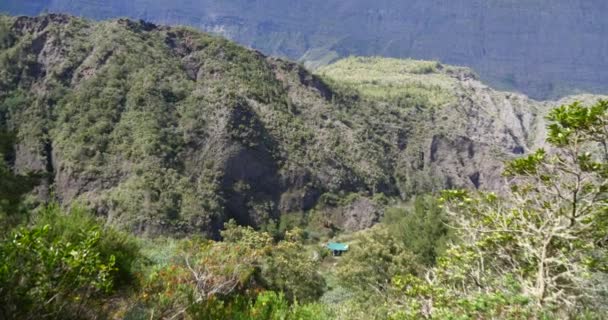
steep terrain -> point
(172, 130)
(539, 47)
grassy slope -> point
(388, 78)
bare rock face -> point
(544, 48)
(361, 214)
(355, 212)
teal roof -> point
(337, 246)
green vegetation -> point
(200, 180)
(68, 266)
(232, 278)
(423, 229)
(152, 139)
(13, 188)
(170, 131)
(424, 83)
(62, 266)
(318, 57)
(536, 252)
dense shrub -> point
(422, 228)
(68, 227)
(373, 261)
(207, 279)
(61, 267)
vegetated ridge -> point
(171, 130)
(546, 49)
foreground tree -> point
(542, 248)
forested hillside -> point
(152, 172)
(546, 49)
(172, 130)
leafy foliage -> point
(155, 135)
(60, 269)
(377, 258)
(422, 229)
(540, 250)
(213, 280)
(196, 130)
(291, 269)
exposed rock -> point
(360, 214)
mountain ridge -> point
(170, 130)
(546, 49)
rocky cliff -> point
(539, 47)
(165, 129)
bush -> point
(112, 243)
(221, 280)
(62, 267)
(291, 270)
(267, 305)
(423, 229)
(373, 261)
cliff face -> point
(539, 47)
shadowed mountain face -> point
(545, 48)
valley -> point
(169, 173)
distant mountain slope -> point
(540, 47)
(172, 130)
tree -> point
(540, 249)
(422, 229)
(548, 234)
(370, 265)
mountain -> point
(543, 48)
(171, 130)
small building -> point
(337, 248)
